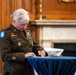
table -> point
(53, 65)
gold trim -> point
(40, 10)
(67, 0)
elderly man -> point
(17, 44)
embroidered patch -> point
(2, 34)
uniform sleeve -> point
(6, 52)
(37, 47)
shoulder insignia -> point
(28, 34)
(2, 33)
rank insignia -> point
(28, 34)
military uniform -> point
(14, 44)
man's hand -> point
(30, 54)
(41, 53)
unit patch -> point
(2, 34)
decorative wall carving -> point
(67, 0)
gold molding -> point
(40, 10)
(67, 1)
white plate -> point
(54, 51)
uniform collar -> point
(14, 29)
(17, 32)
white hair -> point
(20, 15)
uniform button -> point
(14, 58)
(19, 44)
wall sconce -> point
(67, 1)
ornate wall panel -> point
(53, 9)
